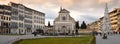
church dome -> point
(64, 11)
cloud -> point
(89, 10)
(104, 1)
(87, 18)
(66, 3)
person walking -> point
(104, 36)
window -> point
(28, 16)
(63, 18)
(7, 18)
(27, 21)
(20, 24)
(14, 18)
(14, 25)
(21, 17)
(4, 17)
(28, 26)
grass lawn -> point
(63, 40)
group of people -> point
(35, 33)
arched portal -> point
(64, 28)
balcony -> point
(114, 21)
(113, 18)
(112, 15)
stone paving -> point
(112, 39)
(8, 39)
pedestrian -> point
(104, 36)
(115, 32)
(100, 34)
(119, 32)
(108, 33)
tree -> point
(48, 23)
(77, 26)
(83, 25)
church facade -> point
(64, 23)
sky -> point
(81, 10)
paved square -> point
(112, 39)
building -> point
(100, 23)
(38, 20)
(5, 17)
(94, 26)
(64, 23)
(114, 19)
(28, 20)
(25, 20)
(18, 19)
(49, 29)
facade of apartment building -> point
(5, 17)
(28, 20)
(17, 18)
(20, 19)
(115, 19)
(38, 20)
(93, 26)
